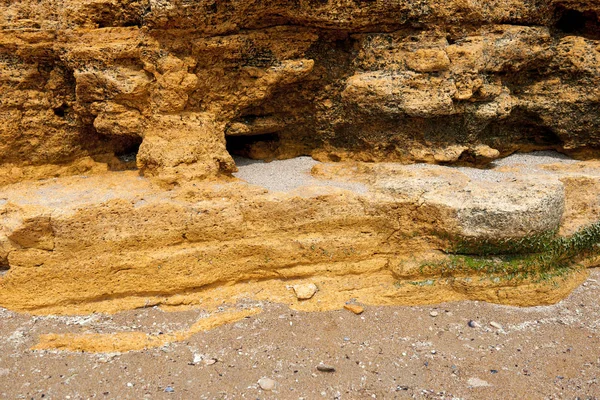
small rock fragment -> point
(169, 389)
(496, 325)
(210, 361)
(476, 383)
(266, 384)
(474, 324)
(355, 308)
(434, 313)
(325, 368)
(305, 291)
(197, 358)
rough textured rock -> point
(306, 291)
(117, 241)
(84, 84)
(174, 89)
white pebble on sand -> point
(266, 384)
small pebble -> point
(129, 384)
(197, 358)
(169, 389)
(210, 361)
(474, 324)
(266, 384)
(355, 308)
(495, 325)
(325, 368)
(477, 383)
(434, 313)
(305, 291)
(433, 351)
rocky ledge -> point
(381, 233)
(87, 85)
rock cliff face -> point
(174, 89)
(84, 84)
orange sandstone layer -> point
(116, 241)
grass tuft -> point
(540, 258)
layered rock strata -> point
(115, 241)
(88, 85)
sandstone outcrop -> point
(121, 123)
(364, 231)
(85, 84)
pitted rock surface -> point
(87, 85)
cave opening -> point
(4, 268)
(61, 110)
(584, 23)
(126, 153)
(256, 147)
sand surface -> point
(387, 352)
(287, 175)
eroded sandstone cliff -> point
(85, 83)
(173, 90)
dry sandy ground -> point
(387, 352)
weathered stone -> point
(266, 384)
(175, 89)
(374, 81)
(477, 383)
(117, 234)
(305, 291)
(355, 308)
(325, 368)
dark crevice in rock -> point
(256, 147)
(61, 111)
(523, 130)
(127, 155)
(582, 23)
(4, 267)
(118, 152)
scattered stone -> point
(474, 324)
(477, 383)
(493, 371)
(496, 325)
(325, 368)
(433, 352)
(129, 384)
(210, 361)
(197, 358)
(305, 291)
(169, 389)
(355, 308)
(434, 313)
(266, 384)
